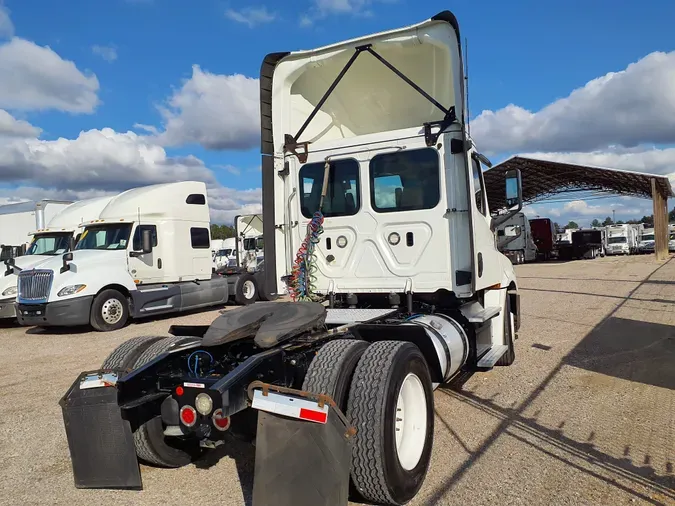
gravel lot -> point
(586, 415)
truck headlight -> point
(9, 291)
(70, 290)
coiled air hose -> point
(303, 278)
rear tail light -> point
(220, 422)
(188, 416)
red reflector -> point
(179, 390)
(221, 422)
(314, 416)
(188, 415)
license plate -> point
(98, 380)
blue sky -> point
(142, 53)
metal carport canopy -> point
(543, 179)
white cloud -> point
(36, 78)
(103, 162)
(229, 168)
(6, 25)
(108, 53)
(216, 111)
(251, 16)
(631, 107)
(12, 127)
(324, 8)
(98, 159)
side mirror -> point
(514, 189)
(146, 241)
(67, 257)
(514, 197)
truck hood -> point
(85, 259)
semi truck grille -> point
(34, 285)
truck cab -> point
(147, 253)
(57, 238)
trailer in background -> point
(544, 237)
(18, 220)
(585, 243)
(646, 244)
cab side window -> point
(137, 245)
(478, 189)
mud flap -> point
(100, 442)
(300, 461)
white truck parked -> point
(225, 253)
(515, 239)
(58, 237)
(148, 253)
(621, 240)
(375, 215)
(250, 243)
(18, 220)
(647, 241)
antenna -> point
(466, 79)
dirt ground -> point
(585, 416)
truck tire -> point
(332, 369)
(245, 290)
(109, 311)
(510, 356)
(391, 404)
(151, 445)
(127, 353)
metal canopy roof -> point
(543, 179)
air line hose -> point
(303, 278)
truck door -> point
(147, 268)
(487, 260)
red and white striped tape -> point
(286, 405)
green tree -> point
(221, 231)
(573, 225)
(596, 223)
(557, 228)
(648, 220)
(671, 216)
(608, 221)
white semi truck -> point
(647, 241)
(148, 253)
(58, 237)
(515, 239)
(375, 215)
(621, 240)
(225, 253)
(250, 243)
(18, 220)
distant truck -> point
(148, 253)
(621, 240)
(515, 240)
(585, 244)
(226, 252)
(18, 220)
(647, 241)
(57, 238)
(544, 237)
(250, 243)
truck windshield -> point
(617, 240)
(648, 237)
(249, 244)
(105, 237)
(49, 244)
